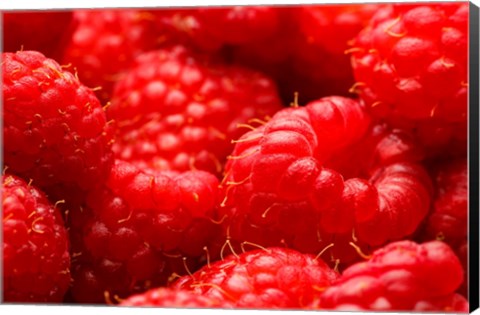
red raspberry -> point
(440, 140)
(410, 64)
(462, 253)
(320, 66)
(448, 218)
(45, 32)
(138, 228)
(211, 29)
(174, 111)
(400, 276)
(165, 297)
(55, 130)
(262, 278)
(381, 145)
(302, 55)
(279, 189)
(259, 37)
(105, 43)
(36, 261)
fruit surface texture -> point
(36, 259)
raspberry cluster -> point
(302, 157)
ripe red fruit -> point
(211, 29)
(320, 65)
(302, 55)
(261, 278)
(279, 187)
(135, 231)
(175, 111)
(166, 297)
(448, 220)
(55, 130)
(105, 42)
(400, 276)
(448, 217)
(43, 31)
(410, 64)
(36, 260)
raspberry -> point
(410, 64)
(302, 56)
(400, 276)
(35, 259)
(55, 130)
(320, 66)
(462, 253)
(210, 29)
(288, 43)
(105, 43)
(448, 218)
(139, 227)
(381, 145)
(174, 111)
(278, 188)
(45, 32)
(261, 278)
(165, 297)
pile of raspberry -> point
(306, 157)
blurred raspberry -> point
(105, 42)
(43, 31)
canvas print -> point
(303, 157)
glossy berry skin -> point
(319, 64)
(35, 259)
(283, 184)
(43, 31)
(448, 217)
(105, 42)
(402, 275)
(448, 220)
(175, 111)
(166, 297)
(274, 278)
(135, 231)
(55, 130)
(213, 28)
(410, 64)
